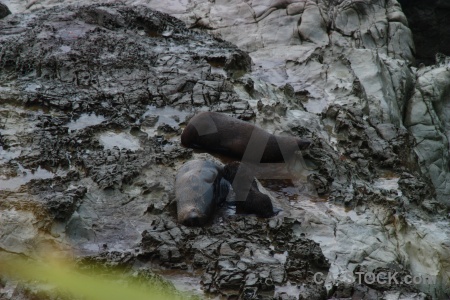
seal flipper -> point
(223, 189)
(256, 203)
(253, 202)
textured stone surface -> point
(97, 98)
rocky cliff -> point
(94, 98)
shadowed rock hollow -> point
(428, 21)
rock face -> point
(94, 99)
(125, 33)
(90, 145)
(427, 120)
(428, 22)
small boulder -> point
(4, 10)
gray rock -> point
(313, 27)
(386, 131)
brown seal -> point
(230, 136)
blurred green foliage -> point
(67, 279)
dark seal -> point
(4, 10)
(221, 133)
(199, 188)
(202, 185)
(249, 199)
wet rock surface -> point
(94, 99)
(237, 255)
(82, 90)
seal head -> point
(199, 188)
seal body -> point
(202, 185)
(224, 134)
(199, 188)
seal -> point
(221, 133)
(249, 199)
(202, 185)
(199, 188)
